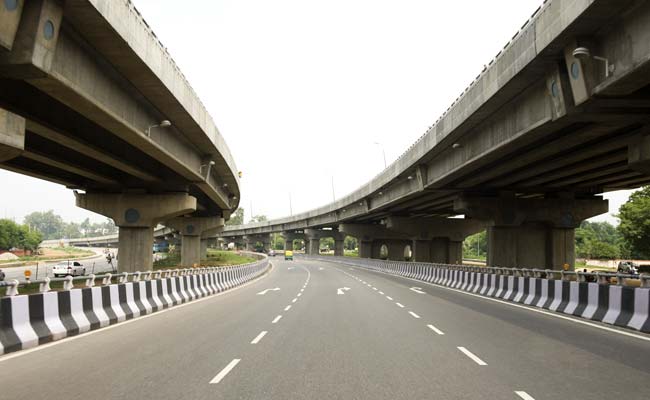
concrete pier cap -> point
(193, 240)
(136, 215)
(531, 233)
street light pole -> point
(333, 196)
(383, 152)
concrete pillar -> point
(288, 245)
(314, 247)
(338, 247)
(136, 215)
(12, 135)
(396, 249)
(365, 248)
(204, 249)
(191, 229)
(531, 233)
(421, 250)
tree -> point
(350, 243)
(475, 245)
(327, 243)
(48, 223)
(635, 223)
(259, 218)
(30, 239)
(8, 234)
(18, 236)
(237, 218)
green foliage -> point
(237, 218)
(598, 240)
(52, 226)
(350, 243)
(635, 223)
(13, 235)
(327, 243)
(259, 218)
(277, 241)
(475, 246)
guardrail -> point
(582, 294)
(29, 320)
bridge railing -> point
(581, 294)
(633, 280)
(13, 286)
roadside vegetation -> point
(216, 258)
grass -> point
(69, 251)
(351, 253)
(216, 258)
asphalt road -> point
(377, 340)
(98, 264)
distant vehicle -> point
(288, 255)
(628, 267)
(66, 268)
(271, 253)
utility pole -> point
(333, 196)
(290, 207)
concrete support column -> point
(422, 250)
(338, 247)
(531, 233)
(288, 245)
(191, 229)
(204, 249)
(396, 249)
(365, 248)
(136, 215)
(314, 247)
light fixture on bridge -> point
(163, 124)
(455, 145)
(583, 53)
(410, 177)
(209, 165)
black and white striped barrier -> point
(614, 304)
(29, 320)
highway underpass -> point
(379, 339)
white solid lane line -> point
(472, 356)
(524, 395)
(389, 298)
(276, 319)
(259, 337)
(436, 330)
(400, 305)
(414, 314)
(287, 308)
(225, 371)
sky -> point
(309, 94)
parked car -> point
(65, 268)
(271, 253)
(288, 255)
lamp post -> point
(383, 152)
(163, 124)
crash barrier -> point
(30, 320)
(588, 295)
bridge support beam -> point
(317, 234)
(136, 215)
(437, 240)
(372, 236)
(12, 135)
(531, 233)
(191, 229)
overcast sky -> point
(302, 90)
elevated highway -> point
(559, 116)
(90, 99)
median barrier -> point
(29, 320)
(592, 296)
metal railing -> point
(13, 285)
(642, 280)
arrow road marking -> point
(263, 292)
(341, 290)
(417, 290)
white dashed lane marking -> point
(436, 330)
(287, 308)
(259, 337)
(225, 371)
(414, 314)
(400, 305)
(524, 395)
(389, 298)
(276, 319)
(472, 356)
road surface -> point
(98, 263)
(336, 332)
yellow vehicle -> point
(288, 255)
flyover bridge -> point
(559, 116)
(90, 99)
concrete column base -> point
(365, 248)
(135, 249)
(190, 250)
(338, 248)
(314, 247)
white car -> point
(66, 268)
